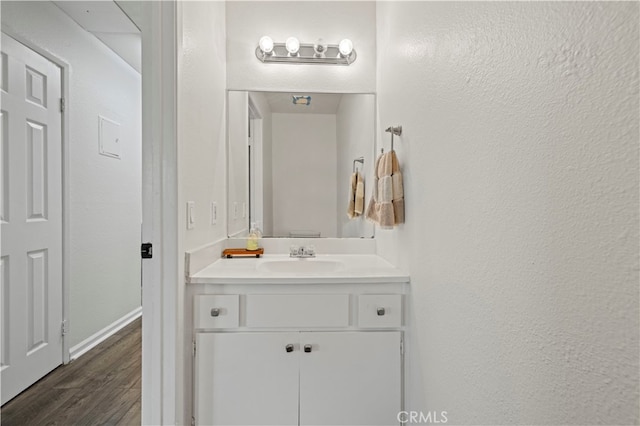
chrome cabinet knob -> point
(307, 348)
(215, 312)
(289, 348)
(380, 312)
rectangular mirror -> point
(290, 162)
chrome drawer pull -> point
(289, 348)
(215, 312)
(307, 348)
(381, 312)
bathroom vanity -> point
(282, 341)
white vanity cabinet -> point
(328, 355)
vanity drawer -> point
(216, 311)
(297, 310)
(379, 310)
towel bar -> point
(357, 160)
(394, 130)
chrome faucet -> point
(302, 251)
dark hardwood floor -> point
(101, 387)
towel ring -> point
(357, 160)
(397, 130)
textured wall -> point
(520, 153)
(202, 119)
(247, 21)
(105, 207)
(201, 155)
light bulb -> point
(345, 47)
(266, 45)
(320, 48)
(293, 45)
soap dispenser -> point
(254, 237)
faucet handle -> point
(293, 250)
(311, 250)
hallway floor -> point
(101, 387)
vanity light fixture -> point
(294, 52)
(301, 100)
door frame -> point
(162, 374)
(64, 81)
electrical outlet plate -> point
(214, 213)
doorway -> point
(101, 230)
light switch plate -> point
(191, 214)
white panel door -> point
(246, 379)
(31, 200)
(351, 378)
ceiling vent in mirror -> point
(295, 52)
(301, 100)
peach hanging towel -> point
(356, 196)
(386, 206)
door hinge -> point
(401, 347)
(193, 421)
(194, 348)
(63, 329)
(146, 250)
(62, 105)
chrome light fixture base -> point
(305, 55)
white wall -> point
(202, 119)
(304, 173)
(355, 127)
(202, 158)
(520, 156)
(104, 193)
(308, 20)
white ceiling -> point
(110, 24)
(321, 103)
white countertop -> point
(353, 268)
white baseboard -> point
(92, 341)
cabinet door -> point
(246, 379)
(351, 378)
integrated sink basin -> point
(295, 265)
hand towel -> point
(386, 207)
(359, 203)
(352, 196)
(398, 190)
